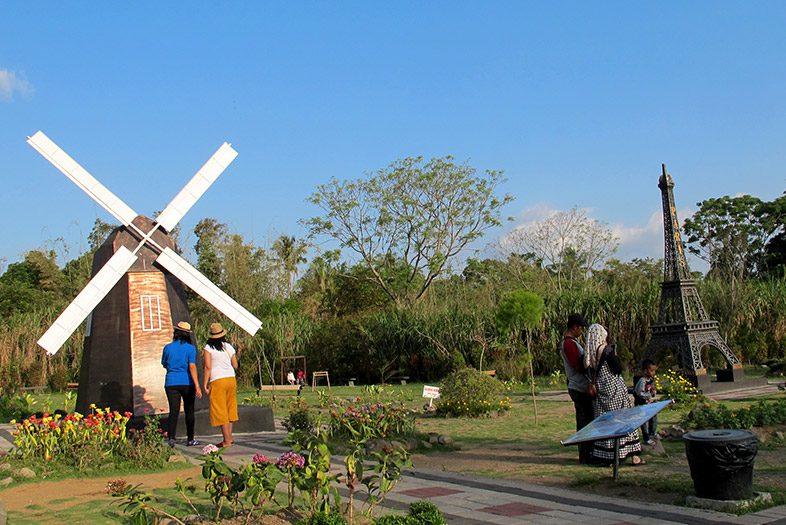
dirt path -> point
(58, 495)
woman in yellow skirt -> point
(219, 382)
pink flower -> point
(290, 460)
(209, 449)
(260, 459)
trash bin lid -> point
(721, 435)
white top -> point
(221, 362)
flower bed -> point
(89, 441)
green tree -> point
(211, 235)
(730, 233)
(775, 251)
(290, 253)
(518, 314)
(99, 234)
(414, 213)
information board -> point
(617, 423)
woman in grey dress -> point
(601, 358)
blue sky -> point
(578, 103)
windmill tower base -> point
(252, 418)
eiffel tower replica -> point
(683, 326)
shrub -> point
(426, 513)
(299, 417)
(395, 519)
(720, 416)
(467, 392)
(16, 406)
(420, 513)
(58, 379)
(371, 420)
(673, 385)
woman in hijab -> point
(601, 358)
(179, 359)
(220, 385)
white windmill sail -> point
(71, 169)
(211, 293)
(95, 290)
(196, 187)
(100, 285)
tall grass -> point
(453, 327)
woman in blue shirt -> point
(179, 359)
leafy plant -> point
(467, 392)
(332, 517)
(426, 513)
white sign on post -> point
(431, 392)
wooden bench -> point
(492, 373)
(403, 379)
(317, 375)
(271, 388)
(36, 389)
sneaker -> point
(651, 442)
(193, 443)
(171, 443)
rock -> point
(655, 450)
(426, 445)
(433, 438)
(25, 472)
(674, 432)
(778, 434)
(177, 458)
(445, 440)
(398, 445)
(5, 467)
(377, 445)
(6, 481)
(761, 434)
(412, 443)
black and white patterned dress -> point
(613, 395)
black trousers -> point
(582, 402)
(173, 395)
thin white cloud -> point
(12, 84)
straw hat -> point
(216, 331)
(183, 326)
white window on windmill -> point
(151, 313)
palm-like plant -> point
(290, 252)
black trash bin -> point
(721, 462)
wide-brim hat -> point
(216, 331)
(183, 326)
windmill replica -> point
(136, 293)
(683, 326)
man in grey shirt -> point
(572, 354)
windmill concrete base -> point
(251, 419)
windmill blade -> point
(71, 169)
(87, 300)
(189, 275)
(198, 184)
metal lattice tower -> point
(683, 326)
